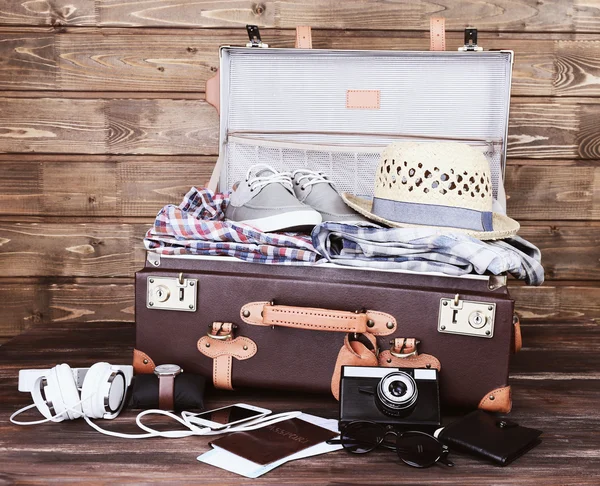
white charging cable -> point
(187, 419)
(51, 419)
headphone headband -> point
(27, 378)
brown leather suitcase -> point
(252, 325)
(301, 354)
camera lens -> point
(397, 388)
(396, 393)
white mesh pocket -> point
(351, 168)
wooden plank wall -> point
(103, 121)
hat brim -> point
(504, 227)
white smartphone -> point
(230, 415)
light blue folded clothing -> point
(427, 250)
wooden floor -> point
(556, 388)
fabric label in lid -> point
(362, 99)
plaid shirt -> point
(197, 226)
(427, 250)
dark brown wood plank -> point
(28, 62)
(500, 15)
(521, 15)
(74, 250)
(138, 186)
(538, 128)
(115, 250)
(58, 302)
(555, 302)
(137, 62)
(53, 125)
(554, 128)
(40, 303)
(108, 126)
(541, 400)
(568, 252)
(42, 12)
(162, 127)
(545, 192)
(545, 65)
(130, 187)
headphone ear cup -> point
(68, 390)
(92, 400)
(54, 398)
(40, 402)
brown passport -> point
(269, 444)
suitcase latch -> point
(466, 317)
(470, 41)
(172, 293)
(254, 36)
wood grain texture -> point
(52, 125)
(104, 249)
(162, 127)
(546, 192)
(498, 15)
(140, 186)
(543, 395)
(44, 303)
(98, 126)
(555, 302)
(47, 12)
(554, 128)
(545, 64)
(74, 250)
(538, 127)
(53, 302)
(519, 15)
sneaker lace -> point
(311, 177)
(260, 181)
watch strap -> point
(166, 389)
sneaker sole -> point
(279, 222)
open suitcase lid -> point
(295, 108)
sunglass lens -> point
(418, 449)
(361, 437)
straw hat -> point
(440, 184)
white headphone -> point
(65, 393)
(56, 395)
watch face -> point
(167, 369)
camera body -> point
(405, 398)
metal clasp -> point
(466, 317)
(172, 293)
(470, 41)
(254, 36)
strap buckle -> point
(221, 331)
(399, 353)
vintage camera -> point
(402, 397)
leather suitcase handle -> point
(313, 318)
(267, 314)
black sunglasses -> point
(414, 448)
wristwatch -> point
(166, 384)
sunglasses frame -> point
(381, 442)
